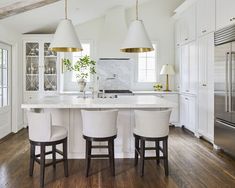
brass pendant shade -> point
(65, 38)
(137, 39)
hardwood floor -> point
(192, 163)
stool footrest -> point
(99, 156)
(97, 147)
(47, 153)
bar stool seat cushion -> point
(58, 133)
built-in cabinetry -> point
(171, 96)
(40, 66)
(188, 112)
(225, 14)
(189, 68)
(185, 26)
(205, 17)
(206, 86)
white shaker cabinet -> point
(185, 26)
(189, 68)
(206, 86)
(188, 112)
(225, 14)
(205, 17)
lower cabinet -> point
(188, 112)
(171, 96)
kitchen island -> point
(66, 111)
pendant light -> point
(137, 39)
(65, 38)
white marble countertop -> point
(155, 92)
(70, 101)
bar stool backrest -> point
(99, 124)
(39, 126)
(153, 124)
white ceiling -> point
(45, 19)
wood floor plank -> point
(192, 163)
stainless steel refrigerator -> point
(224, 76)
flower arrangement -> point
(157, 87)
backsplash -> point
(115, 74)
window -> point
(77, 55)
(147, 66)
(3, 77)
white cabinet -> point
(189, 68)
(188, 112)
(40, 65)
(185, 27)
(225, 14)
(206, 86)
(205, 17)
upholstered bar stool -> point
(100, 126)
(42, 134)
(151, 126)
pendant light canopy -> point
(65, 38)
(137, 39)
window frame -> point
(156, 66)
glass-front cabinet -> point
(41, 66)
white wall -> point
(156, 15)
(14, 39)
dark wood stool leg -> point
(88, 156)
(165, 149)
(54, 156)
(111, 156)
(157, 151)
(142, 156)
(136, 150)
(32, 159)
(42, 165)
(65, 157)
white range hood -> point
(113, 33)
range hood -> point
(113, 34)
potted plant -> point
(157, 87)
(82, 67)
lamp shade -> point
(167, 69)
(65, 38)
(137, 39)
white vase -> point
(81, 84)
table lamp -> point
(167, 70)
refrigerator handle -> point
(230, 83)
(226, 83)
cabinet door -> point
(202, 60)
(32, 66)
(184, 68)
(191, 22)
(193, 68)
(202, 106)
(205, 16)
(178, 32)
(50, 69)
(184, 110)
(177, 67)
(192, 114)
(225, 14)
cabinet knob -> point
(204, 31)
(186, 98)
(186, 39)
(204, 85)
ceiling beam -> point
(23, 6)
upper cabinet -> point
(205, 17)
(40, 65)
(225, 14)
(185, 26)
